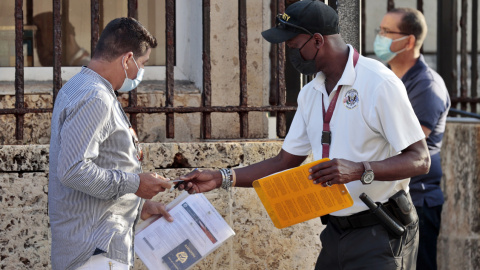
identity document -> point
(197, 230)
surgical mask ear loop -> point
(126, 70)
(399, 39)
(135, 63)
(126, 76)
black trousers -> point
(367, 248)
(429, 225)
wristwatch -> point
(368, 175)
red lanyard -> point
(327, 116)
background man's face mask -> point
(381, 46)
(129, 84)
(306, 67)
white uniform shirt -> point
(373, 120)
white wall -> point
(189, 40)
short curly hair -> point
(123, 35)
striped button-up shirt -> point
(93, 174)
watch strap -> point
(367, 166)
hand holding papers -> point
(290, 198)
(197, 230)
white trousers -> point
(100, 262)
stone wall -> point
(24, 228)
(459, 241)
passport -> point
(182, 256)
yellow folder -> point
(290, 198)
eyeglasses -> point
(138, 148)
(383, 32)
(281, 23)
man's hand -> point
(151, 208)
(201, 181)
(151, 184)
(336, 171)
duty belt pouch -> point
(402, 207)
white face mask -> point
(129, 84)
(381, 47)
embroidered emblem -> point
(350, 100)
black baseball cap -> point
(303, 17)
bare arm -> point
(283, 161)
(203, 181)
(413, 160)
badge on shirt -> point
(350, 100)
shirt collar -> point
(348, 76)
(417, 69)
(90, 72)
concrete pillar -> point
(459, 240)
(350, 21)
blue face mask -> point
(129, 84)
(381, 46)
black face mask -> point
(306, 67)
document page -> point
(197, 230)
(290, 198)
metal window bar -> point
(420, 8)
(169, 95)
(273, 97)
(446, 44)
(94, 24)
(473, 56)
(57, 44)
(463, 53)
(206, 109)
(207, 72)
(132, 95)
(242, 51)
(447, 20)
(19, 70)
(447, 16)
(280, 80)
(390, 5)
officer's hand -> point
(201, 181)
(335, 171)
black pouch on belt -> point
(402, 207)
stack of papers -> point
(197, 230)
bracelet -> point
(226, 178)
(234, 177)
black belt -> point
(358, 220)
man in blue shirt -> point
(400, 37)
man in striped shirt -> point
(97, 190)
